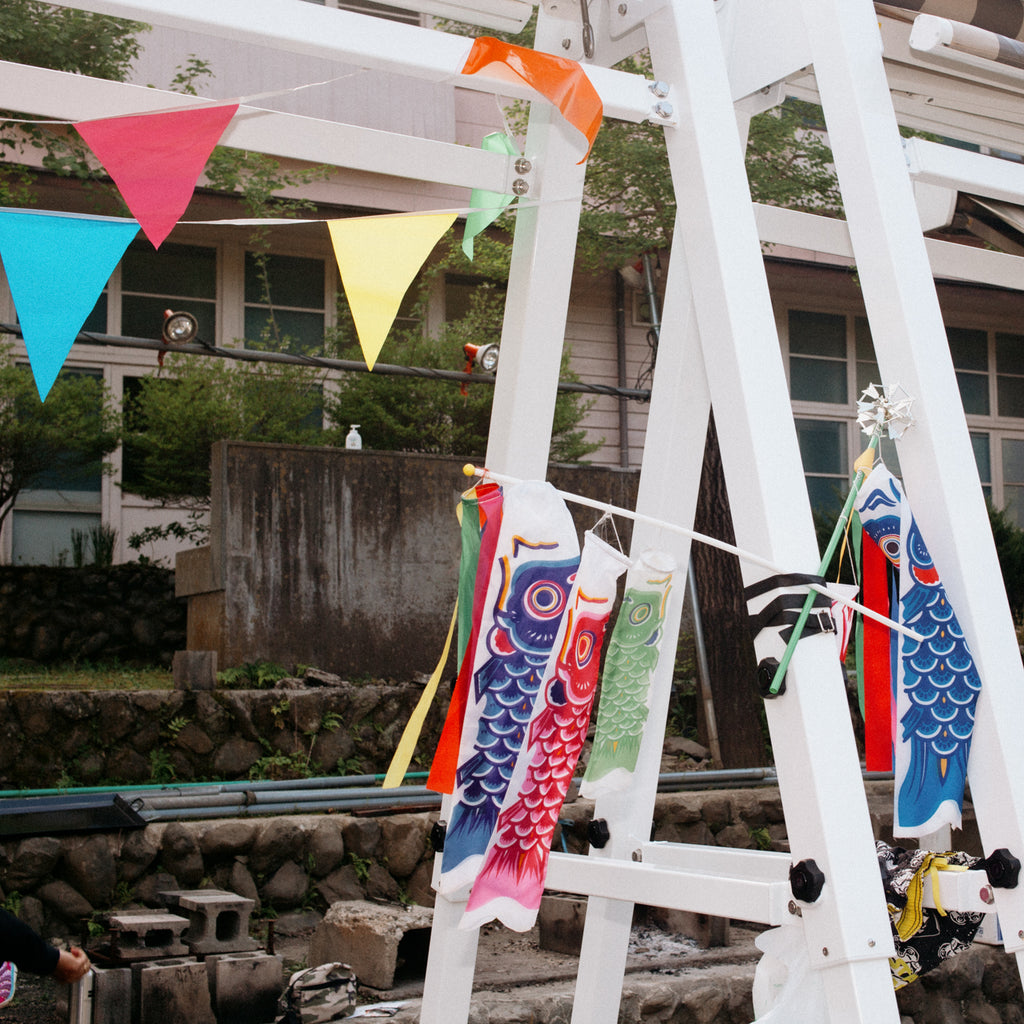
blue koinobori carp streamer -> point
(535, 563)
(629, 665)
(936, 681)
(510, 884)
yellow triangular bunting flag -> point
(378, 257)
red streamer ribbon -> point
(878, 701)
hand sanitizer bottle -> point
(352, 438)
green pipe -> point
(170, 787)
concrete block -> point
(705, 930)
(218, 921)
(560, 923)
(145, 935)
(172, 990)
(380, 942)
(245, 987)
(111, 995)
(194, 670)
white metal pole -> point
(936, 456)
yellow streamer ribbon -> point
(410, 736)
(912, 917)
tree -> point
(423, 415)
(72, 431)
(177, 415)
(63, 39)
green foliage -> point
(161, 770)
(63, 39)
(284, 766)
(176, 417)
(419, 414)
(761, 838)
(195, 530)
(361, 866)
(101, 539)
(73, 430)
(175, 726)
(251, 675)
(66, 39)
(1009, 540)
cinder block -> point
(218, 921)
(560, 921)
(173, 990)
(111, 995)
(194, 670)
(245, 987)
(142, 936)
(380, 942)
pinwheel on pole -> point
(881, 410)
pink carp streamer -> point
(511, 881)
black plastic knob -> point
(766, 669)
(1002, 868)
(598, 833)
(437, 833)
(806, 880)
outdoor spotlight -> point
(484, 356)
(179, 328)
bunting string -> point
(703, 538)
(156, 158)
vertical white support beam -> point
(847, 929)
(669, 482)
(540, 277)
(935, 455)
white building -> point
(207, 270)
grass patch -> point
(17, 674)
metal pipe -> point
(179, 787)
(620, 358)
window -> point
(989, 368)
(1010, 375)
(176, 277)
(823, 449)
(969, 349)
(817, 357)
(285, 298)
(1013, 478)
(60, 500)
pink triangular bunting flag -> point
(156, 159)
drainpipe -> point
(620, 355)
(703, 673)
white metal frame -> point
(721, 61)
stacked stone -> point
(59, 738)
(125, 612)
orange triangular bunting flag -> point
(156, 159)
(378, 257)
(558, 79)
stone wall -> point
(126, 612)
(308, 862)
(56, 738)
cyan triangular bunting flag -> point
(156, 159)
(486, 206)
(57, 265)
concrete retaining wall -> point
(346, 560)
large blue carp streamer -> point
(629, 665)
(535, 564)
(936, 681)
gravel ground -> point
(35, 1002)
